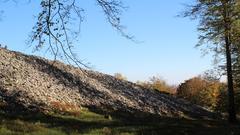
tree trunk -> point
(231, 102)
(227, 27)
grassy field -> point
(89, 123)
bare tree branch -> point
(54, 26)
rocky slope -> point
(38, 84)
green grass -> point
(90, 123)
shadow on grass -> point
(149, 125)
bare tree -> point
(56, 24)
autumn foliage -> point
(202, 92)
(120, 76)
(61, 107)
(159, 84)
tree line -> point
(204, 90)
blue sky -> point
(167, 47)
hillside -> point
(37, 84)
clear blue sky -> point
(168, 41)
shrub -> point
(65, 108)
(120, 76)
(222, 100)
(201, 91)
(157, 83)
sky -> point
(166, 48)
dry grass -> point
(61, 107)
